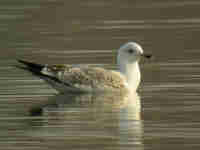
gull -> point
(92, 79)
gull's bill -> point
(148, 56)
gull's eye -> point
(130, 51)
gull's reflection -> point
(113, 118)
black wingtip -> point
(33, 67)
(30, 64)
(36, 69)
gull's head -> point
(128, 56)
(130, 52)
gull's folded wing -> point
(78, 78)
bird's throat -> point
(132, 74)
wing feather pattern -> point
(81, 78)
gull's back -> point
(78, 79)
(86, 78)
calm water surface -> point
(33, 117)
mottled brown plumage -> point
(86, 77)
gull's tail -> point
(32, 67)
(46, 73)
(38, 70)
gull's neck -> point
(132, 73)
